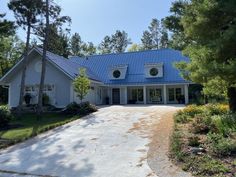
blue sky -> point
(93, 19)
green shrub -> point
(215, 109)
(180, 117)
(192, 110)
(204, 166)
(188, 113)
(220, 145)
(5, 116)
(201, 124)
(176, 146)
(223, 124)
(194, 141)
(81, 109)
(46, 99)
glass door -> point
(174, 94)
(155, 95)
(137, 95)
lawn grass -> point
(28, 126)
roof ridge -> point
(125, 53)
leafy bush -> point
(188, 113)
(201, 124)
(193, 141)
(215, 109)
(205, 166)
(81, 109)
(220, 145)
(5, 116)
(46, 99)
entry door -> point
(174, 94)
(116, 96)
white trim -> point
(164, 94)
(144, 95)
(13, 68)
(186, 97)
(140, 85)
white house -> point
(146, 77)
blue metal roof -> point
(68, 66)
(100, 65)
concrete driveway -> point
(112, 142)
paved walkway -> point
(112, 142)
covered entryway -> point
(115, 96)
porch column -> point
(186, 94)
(164, 94)
(126, 98)
(144, 95)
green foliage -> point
(26, 12)
(173, 23)
(80, 48)
(204, 166)
(29, 126)
(155, 37)
(11, 48)
(5, 116)
(120, 41)
(7, 27)
(116, 43)
(194, 141)
(79, 109)
(106, 45)
(220, 145)
(201, 124)
(223, 124)
(134, 48)
(46, 99)
(76, 45)
(81, 84)
(176, 146)
(186, 115)
(211, 51)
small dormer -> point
(153, 70)
(117, 72)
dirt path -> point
(159, 148)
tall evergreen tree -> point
(151, 37)
(120, 41)
(26, 13)
(106, 45)
(76, 45)
(89, 49)
(173, 23)
(52, 13)
(7, 28)
(212, 54)
(147, 43)
(164, 38)
(43, 72)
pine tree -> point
(76, 45)
(120, 41)
(26, 13)
(106, 45)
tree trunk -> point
(41, 87)
(232, 98)
(25, 62)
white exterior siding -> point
(53, 76)
(93, 96)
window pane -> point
(178, 93)
(171, 92)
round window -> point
(116, 74)
(153, 72)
